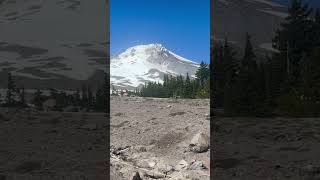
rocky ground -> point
(52, 145)
(159, 138)
(266, 148)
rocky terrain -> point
(52, 145)
(159, 138)
(266, 148)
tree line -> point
(286, 82)
(179, 86)
(86, 99)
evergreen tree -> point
(22, 97)
(90, 98)
(84, 96)
(100, 102)
(229, 68)
(247, 82)
(11, 91)
(294, 38)
(188, 87)
(0, 99)
(202, 73)
(106, 93)
(77, 101)
(38, 99)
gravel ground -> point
(269, 148)
(52, 145)
(152, 136)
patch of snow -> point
(274, 13)
(267, 2)
(268, 46)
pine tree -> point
(22, 97)
(188, 87)
(202, 73)
(106, 93)
(90, 98)
(0, 99)
(77, 98)
(247, 82)
(38, 99)
(84, 96)
(99, 103)
(229, 68)
(11, 91)
(294, 38)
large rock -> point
(200, 143)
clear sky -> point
(182, 26)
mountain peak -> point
(143, 63)
(147, 47)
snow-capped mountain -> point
(53, 43)
(234, 18)
(143, 63)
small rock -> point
(197, 165)
(154, 175)
(141, 149)
(312, 169)
(136, 176)
(165, 168)
(181, 165)
(146, 163)
(200, 143)
(89, 127)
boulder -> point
(200, 143)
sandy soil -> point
(52, 145)
(270, 148)
(152, 136)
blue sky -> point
(182, 26)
